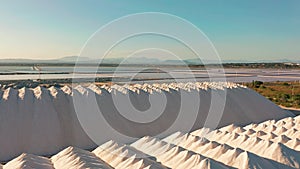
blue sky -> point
(240, 30)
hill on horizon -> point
(137, 60)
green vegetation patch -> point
(282, 93)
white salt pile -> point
(179, 151)
(274, 140)
(46, 122)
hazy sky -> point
(245, 30)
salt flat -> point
(184, 75)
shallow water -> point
(148, 74)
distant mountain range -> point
(137, 60)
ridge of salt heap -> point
(169, 155)
(118, 88)
(280, 130)
(209, 164)
(29, 161)
(269, 136)
(281, 139)
(95, 89)
(203, 131)
(72, 157)
(82, 90)
(230, 156)
(67, 90)
(132, 88)
(22, 93)
(239, 130)
(37, 91)
(297, 119)
(294, 144)
(260, 133)
(290, 125)
(267, 149)
(229, 128)
(6, 92)
(249, 132)
(292, 132)
(53, 91)
(118, 156)
(178, 150)
(191, 162)
(250, 160)
(107, 88)
(251, 126)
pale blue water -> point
(181, 74)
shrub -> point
(286, 84)
(257, 84)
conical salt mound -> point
(130, 163)
(203, 132)
(25, 161)
(269, 136)
(265, 148)
(72, 157)
(248, 160)
(281, 139)
(289, 125)
(193, 161)
(291, 132)
(209, 164)
(218, 151)
(176, 138)
(241, 139)
(223, 153)
(297, 119)
(182, 139)
(294, 144)
(249, 132)
(118, 156)
(280, 123)
(280, 130)
(239, 130)
(251, 126)
(271, 128)
(284, 155)
(260, 133)
(173, 156)
(230, 128)
(230, 157)
(180, 150)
